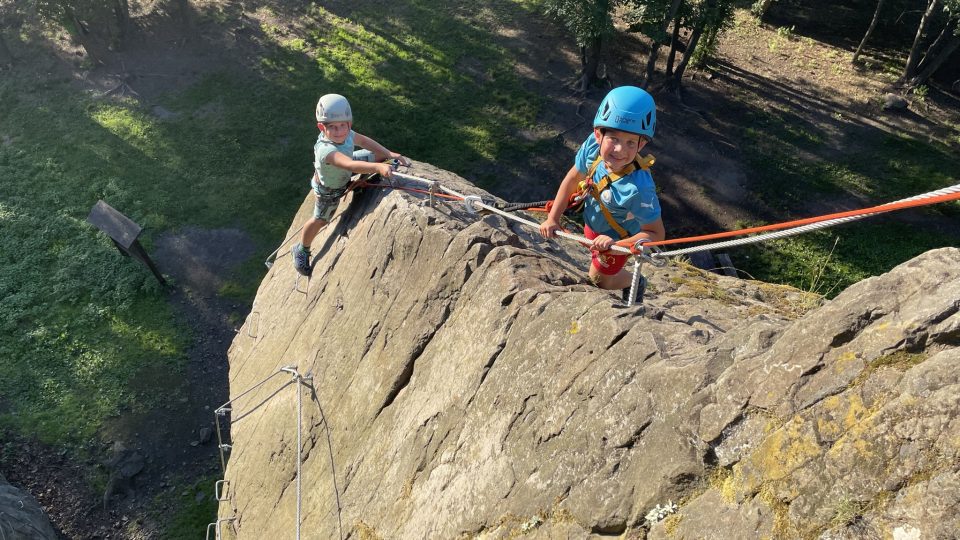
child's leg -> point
(323, 211)
(607, 269)
(620, 280)
(310, 230)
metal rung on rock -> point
(216, 490)
(218, 533)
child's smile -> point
(618, 148)
(337, 131)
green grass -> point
(426, 82)
(191, 517)
(828, 261)
(78, 320)
(792, 165)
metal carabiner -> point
(470, 202)
(651, 254)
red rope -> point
(889, 207)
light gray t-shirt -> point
(331, 176)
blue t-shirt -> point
(632, 200)
(331, 176)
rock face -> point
(21, 515)
(468, 382)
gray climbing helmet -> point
(334, 108)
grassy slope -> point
(79, 323)
(792, 139)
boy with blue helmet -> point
(621, 198)
(335, 160)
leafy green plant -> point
(785, 32)
(920, 93)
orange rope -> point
(789, 224)
(888, 207)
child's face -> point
(618, 148)
(336, 131)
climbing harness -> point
(596, 189)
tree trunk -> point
(6, 58)
(873, 24)
(760, 8)
(911, 68)
(184, 12)
(121, 14)
(82, 34)
(933, 65)
(934, 50)
(674, 40)
(691, 47)
(655, 45)
(589, 63)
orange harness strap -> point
(596, 188)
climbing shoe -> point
(641, 288)
(301, 259)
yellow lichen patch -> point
(366, 532)
(671, 523)
(786, 449)
(839, 414)
(562, 515)
(856, 412)
(722, 480)
(782, 527)
(842, 362)
(856, 442)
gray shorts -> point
(328, 199)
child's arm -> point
(380, 153)
(549, 228)
(340, 160)
(653, 231)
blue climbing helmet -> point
(628, 108)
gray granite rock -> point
(467, 380)
(21, 516)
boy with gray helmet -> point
(621, 199)
(335, 160)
